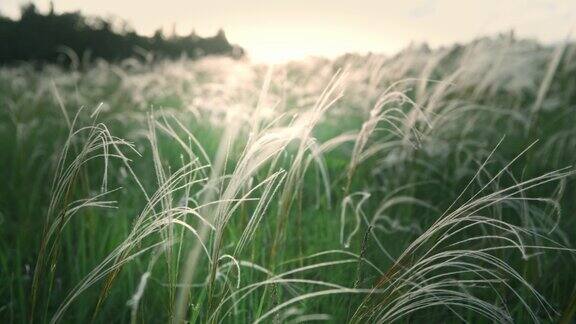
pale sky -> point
(274, 30)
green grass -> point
(427, 187)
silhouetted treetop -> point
(44, 37)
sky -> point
(275, 30)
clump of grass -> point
(354, 190)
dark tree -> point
(44, 38)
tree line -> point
(55, 37)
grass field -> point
(432, 186)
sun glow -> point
(271, 47)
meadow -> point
(429, 186)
